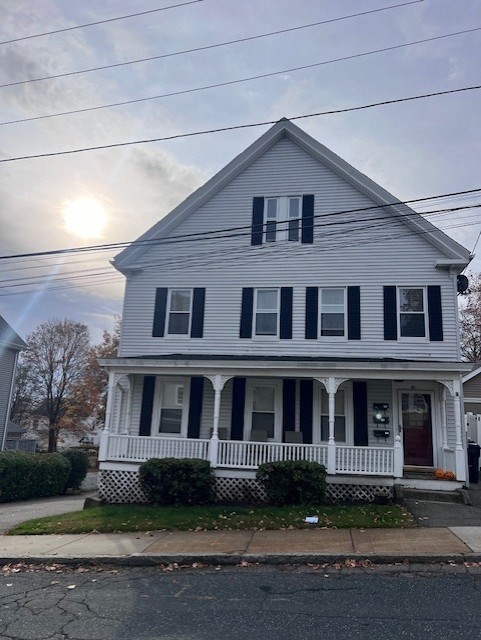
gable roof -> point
(455, 254)
(9, 338)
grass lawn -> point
(122, 518)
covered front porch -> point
(359, 418)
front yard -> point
(127, 518)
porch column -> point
(398, 457)
(104, 437)
(459, 451)
(331, 385)
(443, 418)
(124, 406)
(218, 383)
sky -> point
(413, 149)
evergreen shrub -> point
(293, 482)
(177, 481)
(79, 462)
(32, 475)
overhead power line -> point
(91, 24)
(213, 234)
(239, 126)
(232, 82)
(214, 46)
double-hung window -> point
(282, 218)
(170, 408)
(332, 312)
(412, 312)
(179, 311)
(266, 312)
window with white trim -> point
(333, 316)
(179, 312)
(266, 312)
(412, 312)
(282, 218)
(263, 408)
(340, 422)
(170, 414)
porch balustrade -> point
(233, 454)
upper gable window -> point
(282, 219)
(412, 312)
(179, 311)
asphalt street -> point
(399, 602)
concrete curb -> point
(145, 560)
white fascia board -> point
(476, 371)
(297, 368)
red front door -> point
(416, 412)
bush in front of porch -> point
(293, 482)
(177, 481)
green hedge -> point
(32, 475)
(79, 462)
(177, 481)
(293, 482)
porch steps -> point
(430, 495)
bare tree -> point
(471, 321)
(56, 358)
(22, 400)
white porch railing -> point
(366, 461)
(234, 454)
(140, 448)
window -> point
(333, 312)
(282, 218)
(266, 316)
(170, 414)
(340, 434)
(412, 312)
(179, 314)
(263, 409)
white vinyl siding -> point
(345, 255)
(7, 368)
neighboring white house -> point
(290, 308)
(472, 391)
(10, 346)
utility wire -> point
(91, 24)
(229, 82)
(239, 126)
(216, 45)
(202, 234)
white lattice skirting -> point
(117, 486)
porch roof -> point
(285, 366)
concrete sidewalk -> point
(456, 544)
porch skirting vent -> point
(120, 486)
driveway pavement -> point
(429, 513)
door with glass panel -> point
(416, 421)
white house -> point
(290, 308)
(10, 346)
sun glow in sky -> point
(84, 217)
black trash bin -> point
(473, 462)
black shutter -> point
(353, 313)
(147, 406)
(246, 313)
(312, 301)
(198, 304)
(158, 327)
(435, 314)
(390, 313)
(257, 220)
(359, 401)
(238, 403)
(306, 388)
(286, 313)
(307, 219)
(195, 406)
(288, 405)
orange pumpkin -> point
(449, 475)
(439, 474)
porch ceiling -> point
(286, 367)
